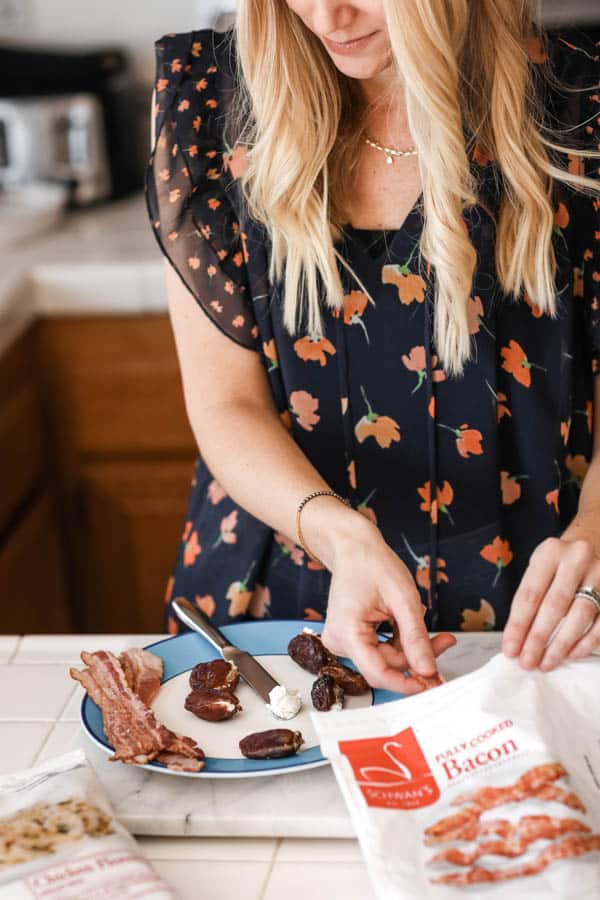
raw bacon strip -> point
(523, 787)
(130, 726)
(143, 671)
(568, 849)
(515, 842)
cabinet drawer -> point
(113, 387)
(34, 596)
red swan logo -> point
(392, 771)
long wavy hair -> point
(460, 63)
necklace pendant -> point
(389, 160)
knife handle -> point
(195, 619)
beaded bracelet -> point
(298, 526)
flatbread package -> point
(486, 786)
(60, 841)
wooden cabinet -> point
(123, 457)
(32, 570)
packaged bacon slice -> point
(486, 786)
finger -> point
(588, 643)
(559, 597)
(374, 666)
(575, 625)
(439, 644)
(528, 597)
(414, 636)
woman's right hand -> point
(370, 584)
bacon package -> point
(486, 786)
(60, 841)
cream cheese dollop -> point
(284, 703)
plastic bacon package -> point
(60, 841)
(486, 786)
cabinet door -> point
(131, 517)
(34, 596)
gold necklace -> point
(390, 152)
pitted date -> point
(218, 674)
(325, 693)
(212, 705)
(351, 682)
(272, 744)
(309, 652)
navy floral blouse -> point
(464, 476)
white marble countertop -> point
(260, 839)
(100, 260)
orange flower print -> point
(227, 529)
(482, 619)
(344, 405)
(578, 282)
(578, 466)
(192, 547)
(260, 602)
(352, 474)
(304, 406)
(311, 615)
(415, 361)
(206, 604)
(510, 487)
(475, 316)
(535, 51)
(383, 428)
(215, 492)
(468, 440)
(499, 554)
(561, 217)
(235, 160)
(444, 497)
(565, 428)
(422, 573)
(515, 361)
(366, 510)
(355, 304)
(288, 548)
(239, 596)
(270, 351)
(308, 348)
(314, 566)
(431, 407)
(536, 312)
(552, 499)
(411, 287)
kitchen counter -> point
(286, 835)
(100, 260)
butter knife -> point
(251, 671)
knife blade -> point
(255, 675)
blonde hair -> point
(302, 119)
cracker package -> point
(60, 841)
(486, 786)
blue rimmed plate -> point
(267, 641)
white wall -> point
(131, 24)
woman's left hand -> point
(546, 597)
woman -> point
(399, 243)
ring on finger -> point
(589, 592)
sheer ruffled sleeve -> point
(188, 181)
(584, 54)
